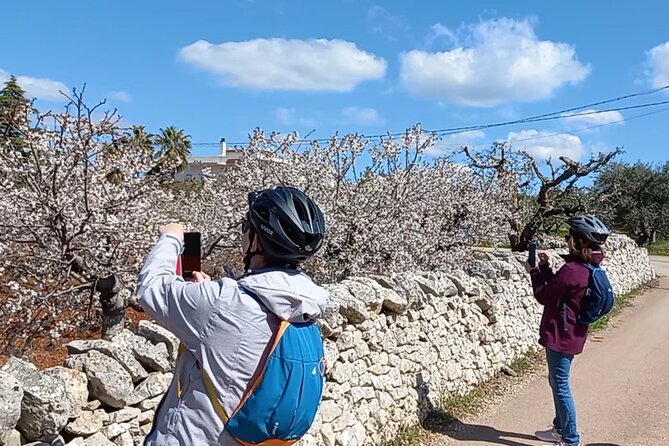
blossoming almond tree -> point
(387, 209)
(79, 213)
(82, 201)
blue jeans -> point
(559, 366)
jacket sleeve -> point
(184, 308)
(549, 292)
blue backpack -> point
(279, 407)
(599, 297)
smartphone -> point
(532, 256)
(191, 258)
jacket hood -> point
(290, 295)
(598, 257)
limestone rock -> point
(76, 388)
(352, 309)
(88, 423)
(11, 394)
(44, 408)
(11, 438)
(157, 334)
(108, 381)
(124, 415)
(154, 357)
(156, 384)
(122, 355)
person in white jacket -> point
(223, 329)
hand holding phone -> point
(191, 258)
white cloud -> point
(502, 60)
(438, 31)
(389, 25)
(121, 96)
(658, 64)
(591, 116)
(288, 116)
(39, 88)
(281, 64)
(362, 116)
(449, 143)
(543, 145)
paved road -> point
(621, 385)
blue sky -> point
(220, 69)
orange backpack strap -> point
(249, 391)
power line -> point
(556, 115)
(446, 132)
(578, 130)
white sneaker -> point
(552, 435)
(561, 443)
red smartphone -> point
(191, 258)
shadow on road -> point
(438, 421)
(444, 424)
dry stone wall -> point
(395, 346)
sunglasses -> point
(245, 226)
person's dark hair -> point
(289, 225)
(584, 248)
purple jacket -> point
(551, 289)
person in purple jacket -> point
(562, 295)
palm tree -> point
(141, 139)
(174, 146)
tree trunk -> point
(113, 307)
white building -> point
(217, 163)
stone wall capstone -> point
(395, 346)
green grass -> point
(409, 435)
(463, 405)
(660, 248)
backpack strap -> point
(209, 384)
(283, 326)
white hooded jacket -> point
(224, 330)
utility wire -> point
(556, 115)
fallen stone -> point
(97, 439)
(365, 290)
(332, 321)
(125, 439)
(114, 430)
(107, 379)
(93, 405)
(76, 388)
(157, 334)
(44, 408)
(146, 417)
(150, 403)
(156, 384)
(352, 309)
(122, 355)
(123, 415)
(11, 395)
(88, 423)
(152, 356)
(11, 438)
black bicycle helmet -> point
(590, 227)
(289, 224)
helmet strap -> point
(248, 255)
